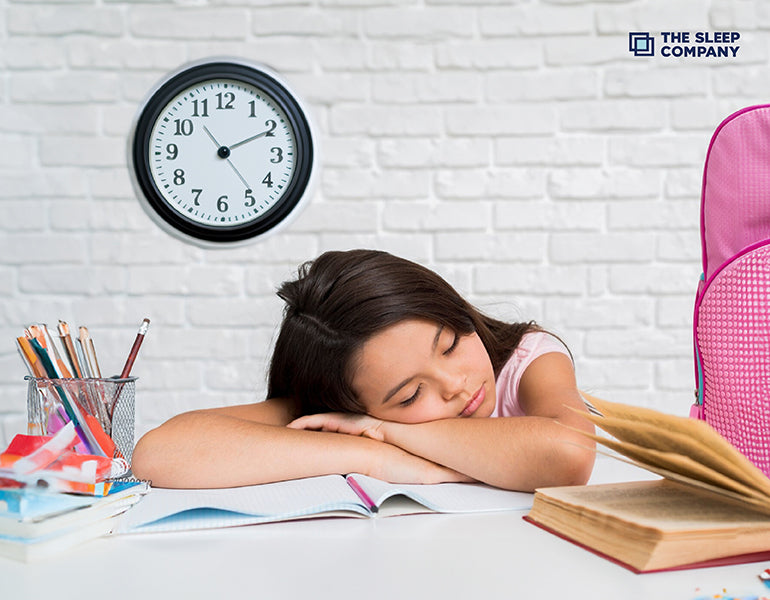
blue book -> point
(34, 503)
(35, 523)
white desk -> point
(419, 556)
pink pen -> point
(361, 494)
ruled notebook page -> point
(444, 497)
(176, 510)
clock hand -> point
(247, 140)
(224, 152)
(246, 183)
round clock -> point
(221, 152)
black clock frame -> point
(245, 73)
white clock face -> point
(222, 153)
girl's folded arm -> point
(249, 444)
(517, 453)
(521, 453)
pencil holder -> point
(110, 401)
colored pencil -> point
(29, 357)
(135, 348)
(90, 352)
(69, 347)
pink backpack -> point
(732, 307)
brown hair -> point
(341, 299)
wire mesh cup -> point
(110, 401)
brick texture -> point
(517, 148)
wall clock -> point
(221, 152)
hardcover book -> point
(712, 505)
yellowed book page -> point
(652, 524)
(662, 505)
(681, 467)
(644, 435)
(682, 435)
(759, 504)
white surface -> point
(422, 556)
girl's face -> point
(417, 371)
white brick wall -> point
(517, 148)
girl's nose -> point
(453, 383)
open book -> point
(324, 496)
(711, 507)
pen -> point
(362, 494)
(135, 348)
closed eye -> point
(453, 346)
(409, 401)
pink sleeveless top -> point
(532, 346)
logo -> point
(641, 43)
(686, 44)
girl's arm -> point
(250, 444)
(520, 453)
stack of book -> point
(52, 497)
(36, 523)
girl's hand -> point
(395, 465)
(389, 463)
(349, 423)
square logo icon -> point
(641, 43)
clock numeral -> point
(204, 106)
(202, 156)
(183, 127)
(225, 101)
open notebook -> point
(325, 496)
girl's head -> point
(342, 300)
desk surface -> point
(432, 556)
